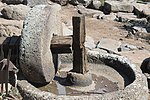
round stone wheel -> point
(36, 60)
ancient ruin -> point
(77, 49)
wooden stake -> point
(7, 74)
(79, 52)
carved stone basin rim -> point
(136, 89)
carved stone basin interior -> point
(108, 75)
(114, 78)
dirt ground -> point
(98, 29)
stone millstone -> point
(35, 55)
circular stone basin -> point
(114, 78)
(105, 80)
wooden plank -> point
(79, 52)
(59, 44)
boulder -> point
(96, 4)
(146, 12)
(35, 55)
(61, 2)
(116, 6)
(111, 16)
(7, 31)
(88, 12)
(10, 27)
(141, 10)
(146, 0)
(125, 17)
(14, 1)
(89, 43)
(15, 12)
(129, 1)
(81, 2)
(109, 44)
(32, 3)
(2, 5)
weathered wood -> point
(7, 72)
(59, 44)
(79, 52)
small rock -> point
(15, 12)
(127, 47)
(140, 29)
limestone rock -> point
(116, 6)
(10, 27)
(16, 12)
(35, 55)
(109, 44)
(146, 12)
(7, 31)
(78, 79)
(2, 5)
(125, 17)
(111, 16)
(14, 1)
(81, 2)
(61, 2)
(86, 11)
(129, 1)
(127, 47)
(141, 10)
(96, 4)
(140, 29)
(32, 3)
(89, 43)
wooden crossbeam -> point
(59, 44)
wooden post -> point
(79, 52)
(7, 74)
